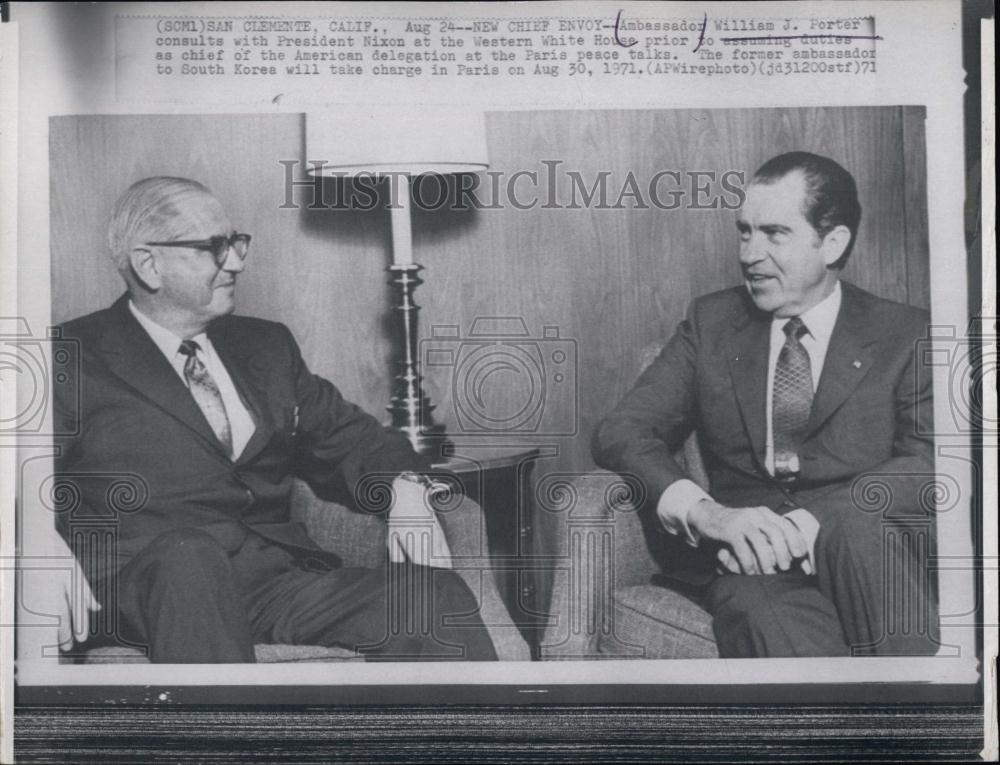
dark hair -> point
(831, 194)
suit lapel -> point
(131, 354)
(848, 358)
(246, 371)
(747, 355)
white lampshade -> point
(381, 140)
(404, 142)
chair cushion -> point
(266, 654)
(114, 655)
(664, 623)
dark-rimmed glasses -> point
(219, 246)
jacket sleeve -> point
(337, 444)
(642, 434)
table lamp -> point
(398, 144)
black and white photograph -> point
(448, 402)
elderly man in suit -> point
(214, 414)
(801, 387)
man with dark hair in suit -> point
(215, 414)
(801, 388)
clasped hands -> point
(415, 534)
(755, 540)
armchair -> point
(605, 604)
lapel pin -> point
(857, 364)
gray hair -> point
(150, 209)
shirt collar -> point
(819, 319)
(165, 340)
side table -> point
(499, 480)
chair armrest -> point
(602, 547)
(358, 539)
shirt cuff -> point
(675, 505)
(806, 523)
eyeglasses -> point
(219, 246)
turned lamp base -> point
(409, 408)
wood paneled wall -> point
(613, 280)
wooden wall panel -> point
(914, 146)
(613, 280)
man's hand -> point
(757, 540)
(68, 596)
(415, 534)
(74, 622)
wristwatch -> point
(433, 487)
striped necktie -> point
(206, 394)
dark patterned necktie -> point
(792, 400)
(206, 394)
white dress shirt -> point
(240, 420)
(680, 497)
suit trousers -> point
(872, 594)
(187, 600)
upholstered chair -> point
(610, 599)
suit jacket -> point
(866, 448)
(145, 461)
